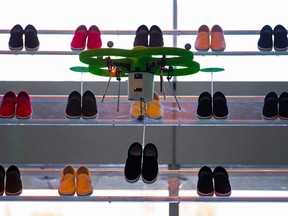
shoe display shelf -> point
(48, 137)
(249, 185)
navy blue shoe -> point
(222, 185)
(150, 164)
(280, 38)
(141, 38)
(31, 38)
(270, 107)
(89, 105)
(265, 42)
(204, 108)
(16, 38)
(205, 182)
(132, 169)
(73, 108)
(283, 106)
(220, 108)
(156, 37)
(13, 181)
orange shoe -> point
(84, 185)
(135, 109)
(217, 39)
(153, 109)
(67, 182)
(202, 41)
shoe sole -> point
(132, 181)
(205, 194)
(23, 117)
(265, 49)
(91, 117)
(221, 117)
(13, 194)
(269, 118)
(222, 194)
(70, 194)
(32, 49)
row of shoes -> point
(266, 42)
(216, 106)
(78, 181)
(16, 38)
(151, 109)
(213, 182)
(142, 34)
(85, 106)
(141, 162)
(16, 105)
(207, 38)
(10, 181)
(91, 35)
(275, 107)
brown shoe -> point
(202, 41)
(135, 109)
(67, 182)
(153, 109)
(84, 185)
(217, 39)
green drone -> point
(140, 65)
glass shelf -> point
(172, 186)
(243, 111)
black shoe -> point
(16, 38)
(220, 108)
(221, 182)
(265, 42)
(13, 181)
(204, 108)
(89, 105)
(141, 38)
(150, 164)
(280, 38)
(132, 169)
(73, 108)
(270, 107)
(205, 182)
(2, 180)
(156, 37)
(31, 38)
(283, 106)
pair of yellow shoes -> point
(152, 109)
(82, 186)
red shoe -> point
(7, 108)
(79, 39)
(94, 38)
(24, 108)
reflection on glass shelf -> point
(243, 111)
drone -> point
(140, 65)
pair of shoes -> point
(142, 33)
(87, 107)
(31, 38)
(134, 167)
(81, 34)
(202, 42)
(221, 185)
(275, 107)
(265, 42)
(13, 184)
(78, 181)
(217, 107)
(23, 109)
(152, 109)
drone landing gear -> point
(141, 116)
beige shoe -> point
(153, 109)
(84, 185)
(67, 182)
(202, 42)
(135, 109)
(217, 39)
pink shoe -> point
(24, 108)
(79, 39)
(94, 38)
(202, 42)
(217, 39)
